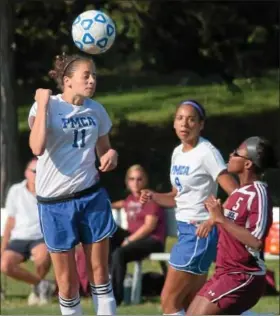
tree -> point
(9, 124)
(227, 38)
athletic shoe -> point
(44, 290)
(33, 299)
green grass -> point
(155, 105)
(15, 303)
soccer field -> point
(155, 106)
(16, 298)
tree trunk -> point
(9, 123)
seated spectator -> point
(23, 239)
(145, 234)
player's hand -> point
(204, 228)
(125, 242)
(225, 202)
(214, 207)
(109, 161)
(42, 96)
(145, 196)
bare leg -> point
(66, 273)
(10, 265)
(202, 306)
(97, 257)
(42, 260)
(201, 279)
(178, 290)
(68, 282)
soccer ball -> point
(93, 32)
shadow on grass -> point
(113, 83)
(12, 297)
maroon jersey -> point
(136, 213)
(250, 207)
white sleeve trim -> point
(219, 164)
(262, 212)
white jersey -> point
(193, 174)
(68, 162)
(22, 205)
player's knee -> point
(100, 273)
(4, 266)
(40, 254)
(7, 266)
(43, 260)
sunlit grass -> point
(16, 302)
(155, 105)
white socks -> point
(70, 306)
(103, 299)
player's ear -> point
(201, 125)
(248, 164)
(67, 82)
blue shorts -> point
(87, 219)
(191, 253)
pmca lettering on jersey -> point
(76, 122)
(180, 170)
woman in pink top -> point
(146, 229)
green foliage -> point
(228, 38)
(138, 77)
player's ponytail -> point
(266, 155)
(65, 65)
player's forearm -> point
(227, 182)
(164, 199)
(240, 233)
(38, 135)
(103, 145)
(10, 224)
(117, 204)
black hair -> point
(199, 108)
(266, 156)
(34, 158)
